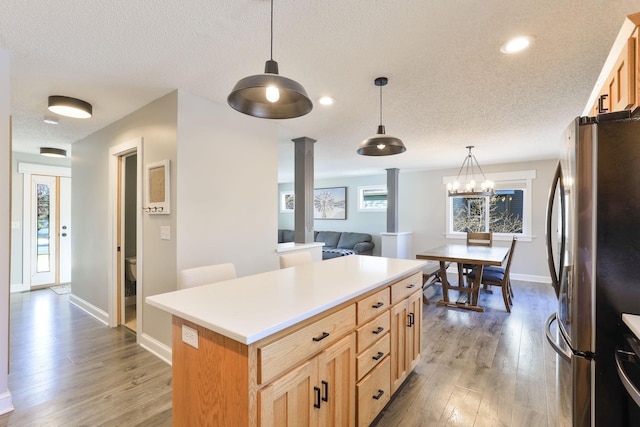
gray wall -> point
(17, 204)
(156, 123)
(422, 198)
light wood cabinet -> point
(321, 392)
(337, 368)
(406, 333)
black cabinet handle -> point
(601, 108)
(379, 395)
(377, 331)
(325, 391)
(321, 337)
(411, 286)
(411, 319)
(316, 390)
(377, 305)
(378, 356)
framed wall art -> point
(287, 201)
(157, 188)
(330, 203)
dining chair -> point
(196, 276)
(498, 276)
(296, 258)
(477, 239)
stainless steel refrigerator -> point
(593, 245)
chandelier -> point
(470, 187)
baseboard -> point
(531, 278)
(19, 287)
(90, 309)
(156, 347)
(6, 403)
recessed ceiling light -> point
(326, 100)
(516, 44)
(50, 120)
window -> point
(372, 198)
(505, 214)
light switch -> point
(165, 232)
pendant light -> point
(381, 144)
(469, 186)
(269, 95)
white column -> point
(6, 404)
(396, 245)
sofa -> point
(336, 243)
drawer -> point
(373, 331)
(372, 356)
(373, 305)
(280, 356)
(373, 392)
(406, 287)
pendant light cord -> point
(380, 105)
(272, 30)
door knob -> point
(64, 234)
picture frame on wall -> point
(330, 203)
(157, 191)
(287, 202)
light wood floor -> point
(477, 369)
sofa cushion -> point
(329, 238)
(288, 236)
(334, 253)
(349, 240)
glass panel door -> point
(43, 230)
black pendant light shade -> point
(269, 95)
(381, 144)
(249, 95)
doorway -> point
(46, 245)
(125, 228)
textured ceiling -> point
(449, 85)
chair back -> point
(197, 276)
(510, 257)
(296, 258)
(479, 239)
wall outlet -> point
(190, 336)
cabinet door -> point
(406, 321)
(337, 372)
(621, 85)
(288, 402)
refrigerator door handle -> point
(566, 354)
(633, 391)
(557, 182)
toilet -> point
(130, 267)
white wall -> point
(227, 187)
(5, 239)
(91, 246)
(422, 211)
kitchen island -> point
(326, 343)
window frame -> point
(361, 190)
(523, 180)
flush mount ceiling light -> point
(381, 144)
(516, 44)
(269, 95)
(70, 107)
(469, 184)
(53, 152)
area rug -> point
(61, 289)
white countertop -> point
(633, 322)
(250, 308)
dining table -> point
(479, 256)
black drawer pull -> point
(377, 305)
(377, 331)
(316, 404)
(379, 395)
(321, 337)
(411, 286)
(411, 319)
(325, 391)
(378, 356)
